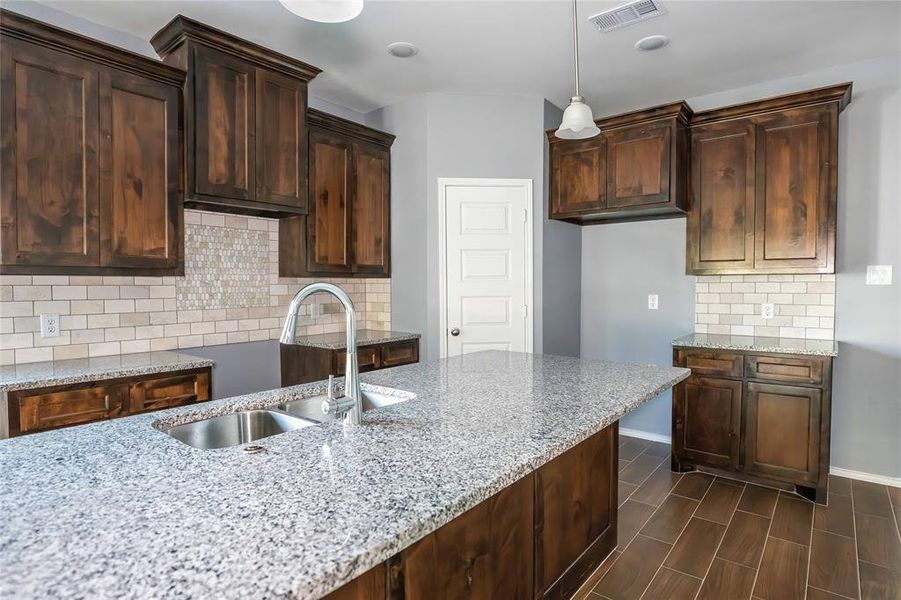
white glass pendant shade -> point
(325, 11)
(578, 122)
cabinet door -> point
(578, 177)
(400, 353)
(371, 585)
(329, 219)
(707, 421)
(721, 219)
(486, 552)
(140, 209)
(795, 205)
(223, 156)
(371, 198)
(281, 139)
(575, 514)
(48, 191)
(49, 409)
(167, 391)
(782, 431)
(638, 165)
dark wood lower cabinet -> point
(540, 537)
(764, 416)
(35, 410)
(304, 364)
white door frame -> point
(443, 184)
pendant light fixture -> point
(324, 11)
(578, 122)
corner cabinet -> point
(764, 416)
(764, 185)
(347, 229)
(245, 121)
(635, 169)
(91, 140)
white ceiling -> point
(524, 47)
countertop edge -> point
(775, 349)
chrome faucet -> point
(350, 405)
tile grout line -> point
(766, 541)
(809, 547)
(856, 548)
(684, 527)
(719, 544)
(828, 592)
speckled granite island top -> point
(365, 337)
(120, 509)
(750, 343)
(79, 370)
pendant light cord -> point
(576, 45)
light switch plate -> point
(879, 274)
(652, 302)
(49, 325)
(767, 310)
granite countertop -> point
(80, 370)
(758, 344)
(120, 509)
(365, 337)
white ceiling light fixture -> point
(402, 49)
(652, 42)
(578, 122)
(324, 11)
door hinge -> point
(525, 311)
(525, 215)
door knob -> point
(455, 332)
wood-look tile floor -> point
(693, 535)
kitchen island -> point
(120, 509)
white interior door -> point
(487, 265)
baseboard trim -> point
(645, 435)
(859, 475)
(862, 476)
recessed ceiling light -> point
(325, 11)
(402, 49)
(652, 42)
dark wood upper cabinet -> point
(347, 230)
(635, 169)
(764, 185)
(223, 111)
(578, 177)
(721, 221)
(245, 122)
(139, 182)
(91, 176)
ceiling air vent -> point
(627, 14)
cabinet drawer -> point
(782, 368)
(368, 359)
(711, 362)
(168, 391)
(49, 409)
(401, 353)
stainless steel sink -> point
(236, 429)
(311, 408)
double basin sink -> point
(251, 425)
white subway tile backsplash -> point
(730, 304)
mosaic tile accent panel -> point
(231, 293)
(730, 304)
(224, 268)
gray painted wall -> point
(561, 267)
(867, 380)
(242, 368)
(623, 263)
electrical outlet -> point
(652, 302)
(767, 310)
(879, 274)
(49, 325)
